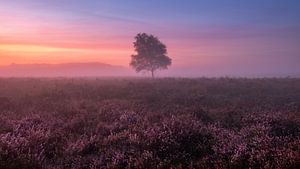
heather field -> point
(84, 123)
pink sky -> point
(54, 32)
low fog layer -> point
(106, 70)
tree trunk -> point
(152, 73)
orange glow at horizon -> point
(26, 39)
(32, 54)
(16, 48)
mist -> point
(96, 69)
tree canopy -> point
(151, 54)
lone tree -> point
(151, 54)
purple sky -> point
(204, 37)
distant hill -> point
(64, 70)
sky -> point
(217, 37)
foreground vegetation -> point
(141, 123)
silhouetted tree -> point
(151, 54)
